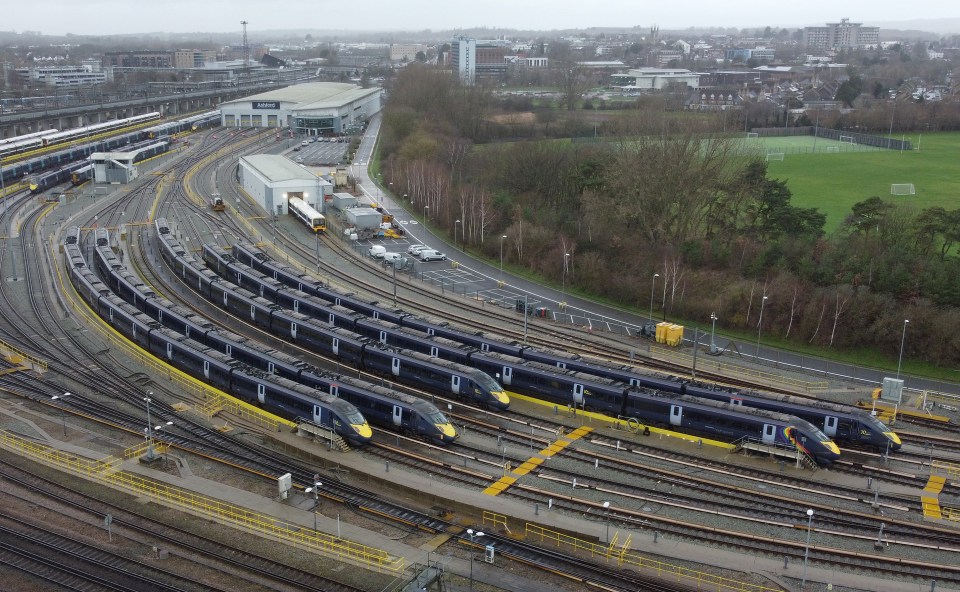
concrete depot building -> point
(313, 109)
(271, 180)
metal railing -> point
(625, 557)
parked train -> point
(304, 212)
(193, 123)
(44, 181)
(403, 366)
(14, 172)
(23, 143)
(843, 423)
(94, 129)
(380, 405)
(221, 371)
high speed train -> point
(221, 371)
(380, 405)
(294, 289)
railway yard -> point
(105, 490)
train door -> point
(395, 366)
(431, 332)
(578, 395)
(455, 384)
(206, 369)
(434, 351)
(736, 401)
(335, 346)
(397, 415)
(261, 393)
(293, 330)
(169, 351)
(335, 390)
(271, 368)
(332, 320)
(296, 305)
(507, 375)
(562, 365)
(769, 433)
(485, 348)
(253, 312)
(376, 314)
(830, 426)
(383, 337)
(318, 414)
(226, 300)
(676, 415)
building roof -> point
(278, 169)
(313, 95)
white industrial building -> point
(314, 109)
(271, 180)
(654, 78)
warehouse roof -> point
(314, 95)
(276, 168)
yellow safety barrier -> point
(951, 514)
(18, 357)
(206, 507)
(639, 562)
(495, 520)
(952, 470)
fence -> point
(860, 141)
(624, 556)
(223, 512)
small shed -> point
(364, 218)
(344, 201)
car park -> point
(431, 255)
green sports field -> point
(833, 181)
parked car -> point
(431, 255)
(415, 249)
(305, 143)
(389, 257)
(377, 251)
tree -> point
(421, 57)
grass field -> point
(833, 181)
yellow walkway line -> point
(507, 480)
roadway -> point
(584, 312)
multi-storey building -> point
(841, 35)
(193, 58)
(138, 59)
(472, 60)
(406, 52)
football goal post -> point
(752, 135)
(847, 140)
(833, 148)
(902, 189)
(774, 156)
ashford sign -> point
(266, 104)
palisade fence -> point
(859, 141)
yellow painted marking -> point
(935, 484)
(931, 507)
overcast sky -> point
(183, 16)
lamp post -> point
(759, 323)
(903, 338)
(653, 283)
(563, 285)
(316, 499)
(478, 535)
(425, 208)
(806, 550)
(456, 226)
(713, 330)
(501, 257)
(64, 412)
(606, 506)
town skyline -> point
(117, 17)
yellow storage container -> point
(662, 328)
(675, 335)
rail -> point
(685, 359)
(625, 557)
(203, 506)
(16, 356)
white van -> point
(431, 255)
(378, 251)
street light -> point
(316, 499)
(563, 285)
(425, 208)
(903, 338)
(478, 535)
(653, 283)
(456, 225)
(150, 429)
(759, 323)
(64, 414)
(713, 317)
(501, 257)
(806, 550)
(606, 506)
